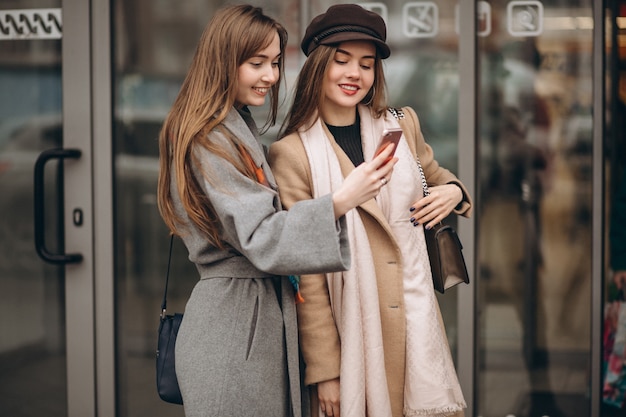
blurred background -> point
(540, 188)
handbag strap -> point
(399, 115)
(424, 184)
(167, 278)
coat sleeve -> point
(319, 338)
(435, 174)
(306, 239)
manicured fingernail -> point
(416, 224)
(427, 227)
(412, 209)
(412, 219)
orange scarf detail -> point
(258, 171)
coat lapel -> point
(246, 132)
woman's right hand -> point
(328, 396)
(364, 182)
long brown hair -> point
(309, 97)
(232, 36)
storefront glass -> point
(33, 355)
(534, 209)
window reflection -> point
(534, 215)
(614, 331)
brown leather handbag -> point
(445, 251)
(446, 257)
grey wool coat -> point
(237, 348)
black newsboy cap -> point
(346, 22)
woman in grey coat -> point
(237, 348)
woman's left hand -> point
(435, 207)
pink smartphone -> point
(389, 136)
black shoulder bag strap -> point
(167, 278)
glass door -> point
(46, 301)
(534, 212)
(613, 265)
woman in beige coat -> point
(372, 337)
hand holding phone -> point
(389, 136)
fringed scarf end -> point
(446, 411)
(295, 281)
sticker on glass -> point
(483, 19)
(420, 19)
(525, 18)
(28, 24)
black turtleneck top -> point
(349, 138)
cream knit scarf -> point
(431, 385)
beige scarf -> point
(431, 384)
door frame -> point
(598, 204)
(78, 196)
(466, 301)
(88, 188)
(103, 196)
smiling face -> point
(257, 74)
(348, 79)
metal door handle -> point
(40, 243)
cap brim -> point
(382, 47)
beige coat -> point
(319, 339)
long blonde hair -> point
(232, 36)
(309, 96)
